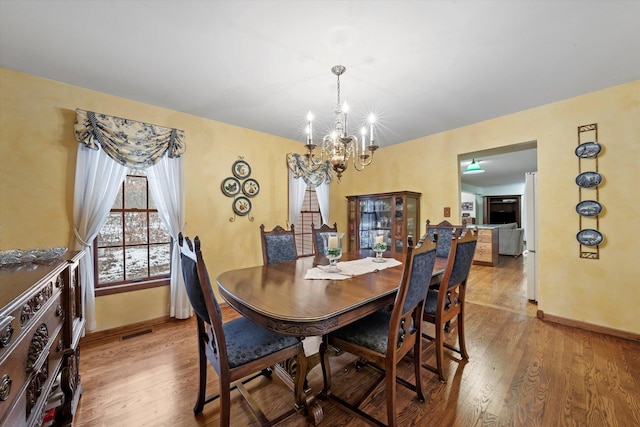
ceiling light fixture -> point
(473, 168)
(338, 147)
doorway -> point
(499, 196)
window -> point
(133, 248)
(309, 213)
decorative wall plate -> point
(588, 150)
(250, 187)
(230, 186)
(242, 206)
(241, 169)
(589, 237)
(589, 179)
(589, 208)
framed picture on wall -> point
(466, 206)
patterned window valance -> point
(312, 174)
(133, 144)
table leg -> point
(287, 372)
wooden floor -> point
(522, 372)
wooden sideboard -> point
(487, 247)
(40, 327)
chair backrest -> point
(278, 245)
(443, 233)
(318, 241)
(459, 264)
(409, 303)
(200, 292)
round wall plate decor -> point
(589, 237)
(230, 186)
(589, 208)
(588, 150)
(241, 169)
(589, 179)
(250, 187)
(242, 206)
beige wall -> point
(37, 172)
(37, 154)
(602, 292)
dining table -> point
(279, 297)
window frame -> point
(139, 283)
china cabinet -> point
(396, 214)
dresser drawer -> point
(483, 255)
(27, 368)
(23, 313)
(484, 236)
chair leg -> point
(440, 354)
(461, 340)
(202, 360)
(390, 380)
(326, 368)
(225, 402)
(417, 364)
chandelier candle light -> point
(338, 147)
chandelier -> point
(338, 147)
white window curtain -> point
(108, 146)
(322, 193)
(303, 172)
(166, 187)
(98, 179)
(297, 188)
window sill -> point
(129, 287)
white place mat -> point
(350, 269)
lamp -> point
(338, 147)
(473, 168)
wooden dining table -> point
(278, 297)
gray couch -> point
(510, 239)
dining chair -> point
(278, 245)
(442, 233)
(238, 350)
(318, 241)
(383, 338)
(447, 302)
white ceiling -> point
(423, 66)
(501, 167)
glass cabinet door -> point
(352, 225)
(375, 214)
(413, 234)
(399, 225)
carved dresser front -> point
(40, 326)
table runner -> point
(350, 269)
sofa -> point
(510, 239)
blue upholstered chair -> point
(238, 350)
(278, 245)
(383, 338)
(447, 302)
(442, 233)
(318, 241)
